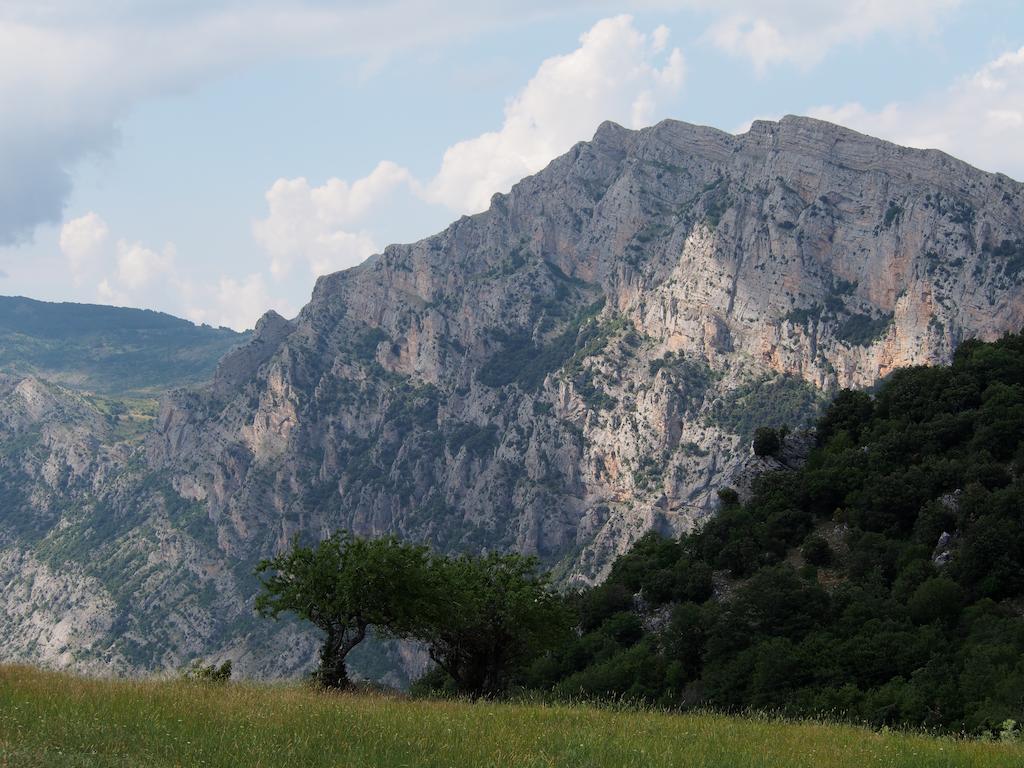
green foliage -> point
(804, 315)
(1011, 256)
(593, 394)
(885, 635)
(817, 551)
(848, 412)
(772, 402)
(525, 362)
(480, 617)
(108, 350)
(478, 441)
(892, 213)
(690, 378)
(366, 343)
(344, 585)
(938, 599)
(841, 287)
(717, 201)
(497, 615)
(861, 330)
(189, 516)
(766, 441)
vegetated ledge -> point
(49, 718)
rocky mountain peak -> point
(582, 362)
(240, 364)
(798, 252)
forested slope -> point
(882, 581)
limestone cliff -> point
(584, 361)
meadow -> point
(53, 719)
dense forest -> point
(883, 581)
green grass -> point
(50, 719)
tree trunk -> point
(333, 673)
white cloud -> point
(234, 303)
(312, 224)
(980, 118)
(132, 273)
(108, 294)
(139, 266)
(69, 71)
(82, 241)
(75, 69)
(802, 32)
(616, 73)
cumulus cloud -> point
(979, 118)
(802, 32)
(233, 303)
(75, 69)
(69, 71)
(617, 73)
(133, 273)
(312, 224)
(139, 266)
(82, 241)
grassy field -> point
(48, 719)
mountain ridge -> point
(583, 362)
(109, 350)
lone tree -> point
(344, 585)
(500, 615)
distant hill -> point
(108, 350)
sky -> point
(211, 158)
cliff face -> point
(584, 361)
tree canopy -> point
(482, 617)
(344, 585)
(500, 615)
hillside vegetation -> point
(108, 350)
(48, 719)
(882, 582)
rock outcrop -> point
(583, 362)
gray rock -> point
(472, 391)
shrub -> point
(938, 599)
(766, 442)
(891, 637)
(728, 496)
(817, 551)
(200, 672)
(861, 330)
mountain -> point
(108, 350)
(585, 361)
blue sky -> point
(211, 158)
